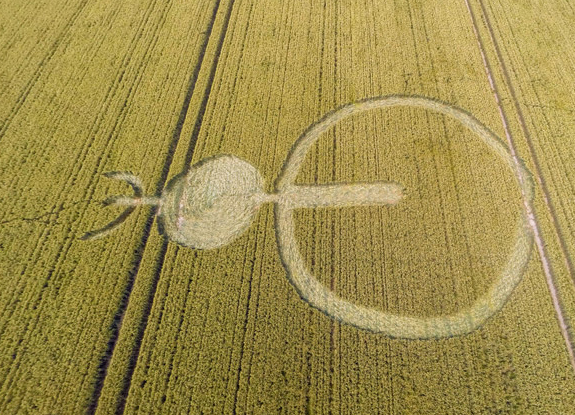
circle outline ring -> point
(393, 325)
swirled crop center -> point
(319, 296)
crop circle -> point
(320, 297)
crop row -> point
(106, 98)
(227, 332)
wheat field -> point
(337, 294)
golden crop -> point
(134, 323)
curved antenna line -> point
(129, 178)
(100, 233)
(131, 201)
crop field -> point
(381, 220)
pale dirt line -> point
(538, 173)
(547, 267)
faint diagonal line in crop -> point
(62, 254)
(58, 261)
(547, 266)
(76, 171)
(26, 90)
(98, 124)
(65, 249)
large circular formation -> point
(213, 203)
(398, 326)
